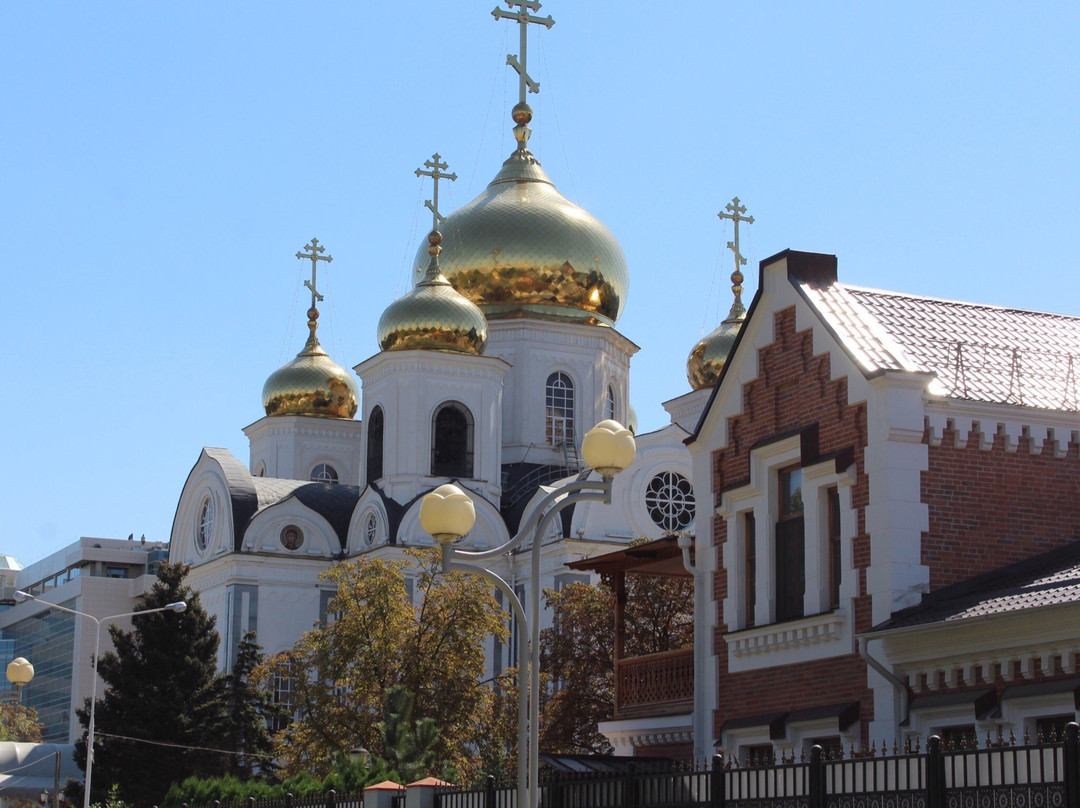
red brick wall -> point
(989, 507)
(793, 389)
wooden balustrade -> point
(655, 684)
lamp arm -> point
(523, 661)
(577, 491)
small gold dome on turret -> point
(311, 384)
(433, 316)
(708, 357)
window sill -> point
(816, 637)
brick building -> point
(893, 547)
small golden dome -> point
(521, 249)
(311, 384)
(711, 353)
(433, 316)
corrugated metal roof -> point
(977, 352)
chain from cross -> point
(523, 18)
(735, 211)
(436, 174)
(314, 256)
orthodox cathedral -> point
(488, 373)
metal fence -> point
(1044, 774)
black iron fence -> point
(1044, 774)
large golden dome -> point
(311, 384)
(521, 249)
(433, 316)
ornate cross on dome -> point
(436, 174)
(734, 212)
(523, 18)
(314, 256)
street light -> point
(359, 755)
(179, 606)
(447, 513)
(19, 673)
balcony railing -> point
(656, 684)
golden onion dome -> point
(521, 249)
(311, 384)
(433, 316)
(709, 356)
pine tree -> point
(163, 709)
(251, 711)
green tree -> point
(161, 688)
(408, 745)
(432, 643)
(250, 711)
(19, 723)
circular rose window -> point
(670, 501)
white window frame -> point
(821, 632)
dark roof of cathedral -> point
(333, 501)
(1049, 579)
(975, 351)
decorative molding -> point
(1037, 427)
(809, 631)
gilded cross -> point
(735, 212)
(436, 174)
(523, 18)
(314, 256)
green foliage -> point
(340, 671)
(346, 778)
(408, 745)
(161, 685)
(250, 711)
(112, 799)
(19, 723)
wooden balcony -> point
(657, 684)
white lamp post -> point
(447, 513)
(179, 606)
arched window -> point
(559, 407)
(452, 441)
(204, 527)
(375, 444)
(324, 473)
(609, 404)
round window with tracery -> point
(670, 501)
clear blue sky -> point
(163, 163)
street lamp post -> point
(179, 606)
(448, 513)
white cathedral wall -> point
(595, 357)
(290, 446)
(410, 386)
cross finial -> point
(523, 18)
(734, 213)
(315, 255)
(436, 174)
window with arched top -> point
(452, 441)
(260, 469)
(559, 409)
(375, 444)
(609, 405)
(324, 473)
